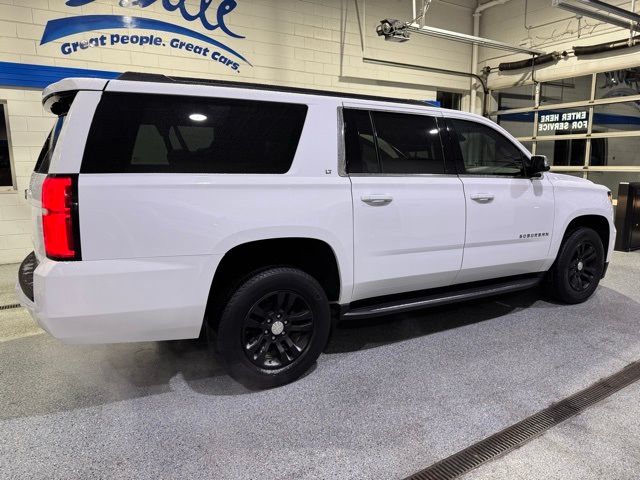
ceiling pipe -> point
(443, 71)
(474, 51)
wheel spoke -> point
(300, 316)
(301, 327)
(258, 312)
(290, 301)
(575, 282)
(284, 358)
(285, 301)
(253, 323)
(293, 348)
(587, 276)
(252, 347)
(262, 354)
(578, 281)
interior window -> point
(195, 138)
(360, 146)
(485, 151)
(149, 147)
(408, 143)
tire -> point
(578, 268)
(273, 328)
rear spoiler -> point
(70, 86)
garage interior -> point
(392, 397)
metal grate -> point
(8, 307)
(522, 432)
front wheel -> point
(577, 271)
(273, 328)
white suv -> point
(166, 207)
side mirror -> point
(535, 165)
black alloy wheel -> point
(583, 267)
(578, 268)
(277, 329)
(273, 327)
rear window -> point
(181, 134)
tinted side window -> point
(6, 179)
(360, 147)
(181, 134)
(485, 151)
(44, 159)
(408, 143)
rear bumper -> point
(129, 300)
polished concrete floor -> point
(388, 398)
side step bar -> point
(443, 298)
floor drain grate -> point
(522, 432)
(8, 307)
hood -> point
(559, 179)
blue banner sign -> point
(205, 47)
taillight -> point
(60, 217)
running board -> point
(443, 298)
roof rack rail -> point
(160, 78)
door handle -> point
(377, 200)
(482, 197)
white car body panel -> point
(73, 84)
(151, 243)
(577, 197)
(92, 301)
(413, 243)
(75, 131)
(494, 246)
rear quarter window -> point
(44, 159)
(144, 133)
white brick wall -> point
(305, 43)
(28, 127)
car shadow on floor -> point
(67, 377)
(356, 335)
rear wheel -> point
(273, 328)
(577, 271)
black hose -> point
(530, 62)
(606, 47)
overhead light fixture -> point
(197, 117)
(398, 31)
(615, 15)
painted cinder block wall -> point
(304, 43)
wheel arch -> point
(311, 255)
(598, 223)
